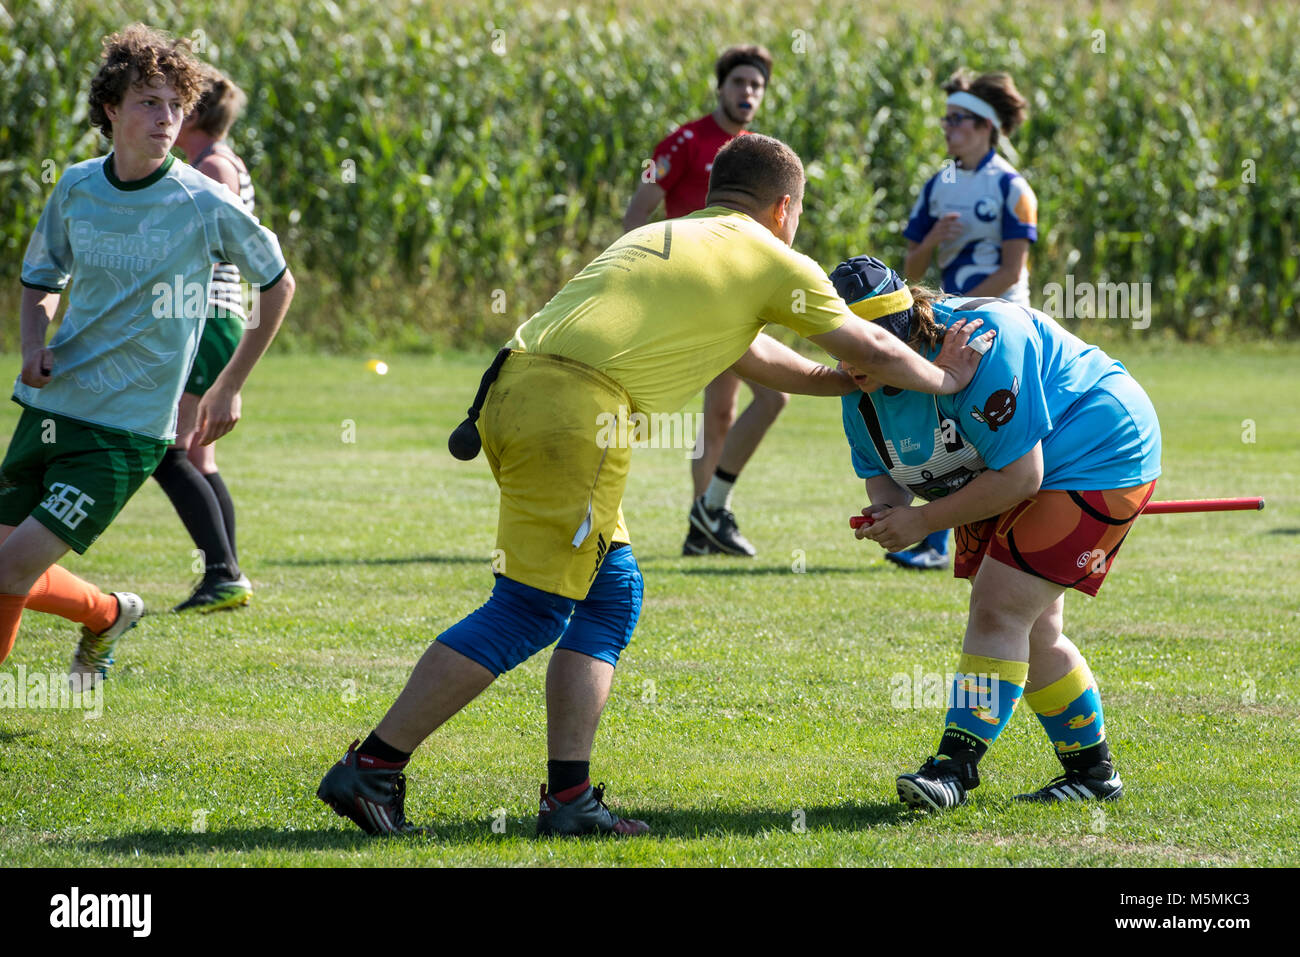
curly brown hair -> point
(140, 56)
(999, 91)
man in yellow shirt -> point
(641, 329)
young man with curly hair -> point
(132, 232)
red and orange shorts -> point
(1069, 538)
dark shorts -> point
(1069, 538)
(71, 477)
(217, 345)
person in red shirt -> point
(680, 180)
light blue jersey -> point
(994, 204)
(135, 259)
(1038, 383)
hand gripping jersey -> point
(683, 161)
(995, 203)
(139, 256)
(1037, 383)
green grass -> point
(750, 692)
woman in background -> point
(979, 215)
(188, 472)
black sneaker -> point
(1098, 783)
(939, 784)
(585, 814)
(718, 526)
(216, 595)
(697, 544)
(370, 792)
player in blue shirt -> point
(1042, 464)
(132, 237)
(978, 215)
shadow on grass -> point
(741, 569)
(486, 561)
(7, 736)
(1284, 531)
(666, 825)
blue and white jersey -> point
(995, 204)
(1037, 383)
(135, 259)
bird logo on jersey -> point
(999, 407)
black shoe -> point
(939, 784)
(585, 814)
(369, 792)
(697, 544)
(718, 526)
(214, 594)
(1098, 783)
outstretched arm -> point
(886, 358)
(777, 366)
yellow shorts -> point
(561, 492)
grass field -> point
(751, 721)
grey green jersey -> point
(135, 259)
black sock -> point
(227, 508)
(726, 476)
(375, 747)
(954, 742)
(200, 512)
(562, 775)
(1085, 759)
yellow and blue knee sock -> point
(1069, 710)
(984, 694)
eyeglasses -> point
(956, 119)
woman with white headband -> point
(977, 216)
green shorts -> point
(71, 477)
(220, 337)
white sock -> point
(718, 494)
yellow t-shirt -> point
(671, 305)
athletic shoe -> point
(1098, 783)
(923, 557)
(369, 792)
(585, 814)
(697, 544)
(938, 784)
(94, 654)
(718, 526)
(214, 595)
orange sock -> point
(11, 613)
(62, 593)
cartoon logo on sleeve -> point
(999, 407)
(662, 166)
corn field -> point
(435, 172)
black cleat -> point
(369, 792)
(697, 544)
(214, 594)
(585, 814)
(1098, 783)
(939, 784)
(718, 526)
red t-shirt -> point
(683, 162)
